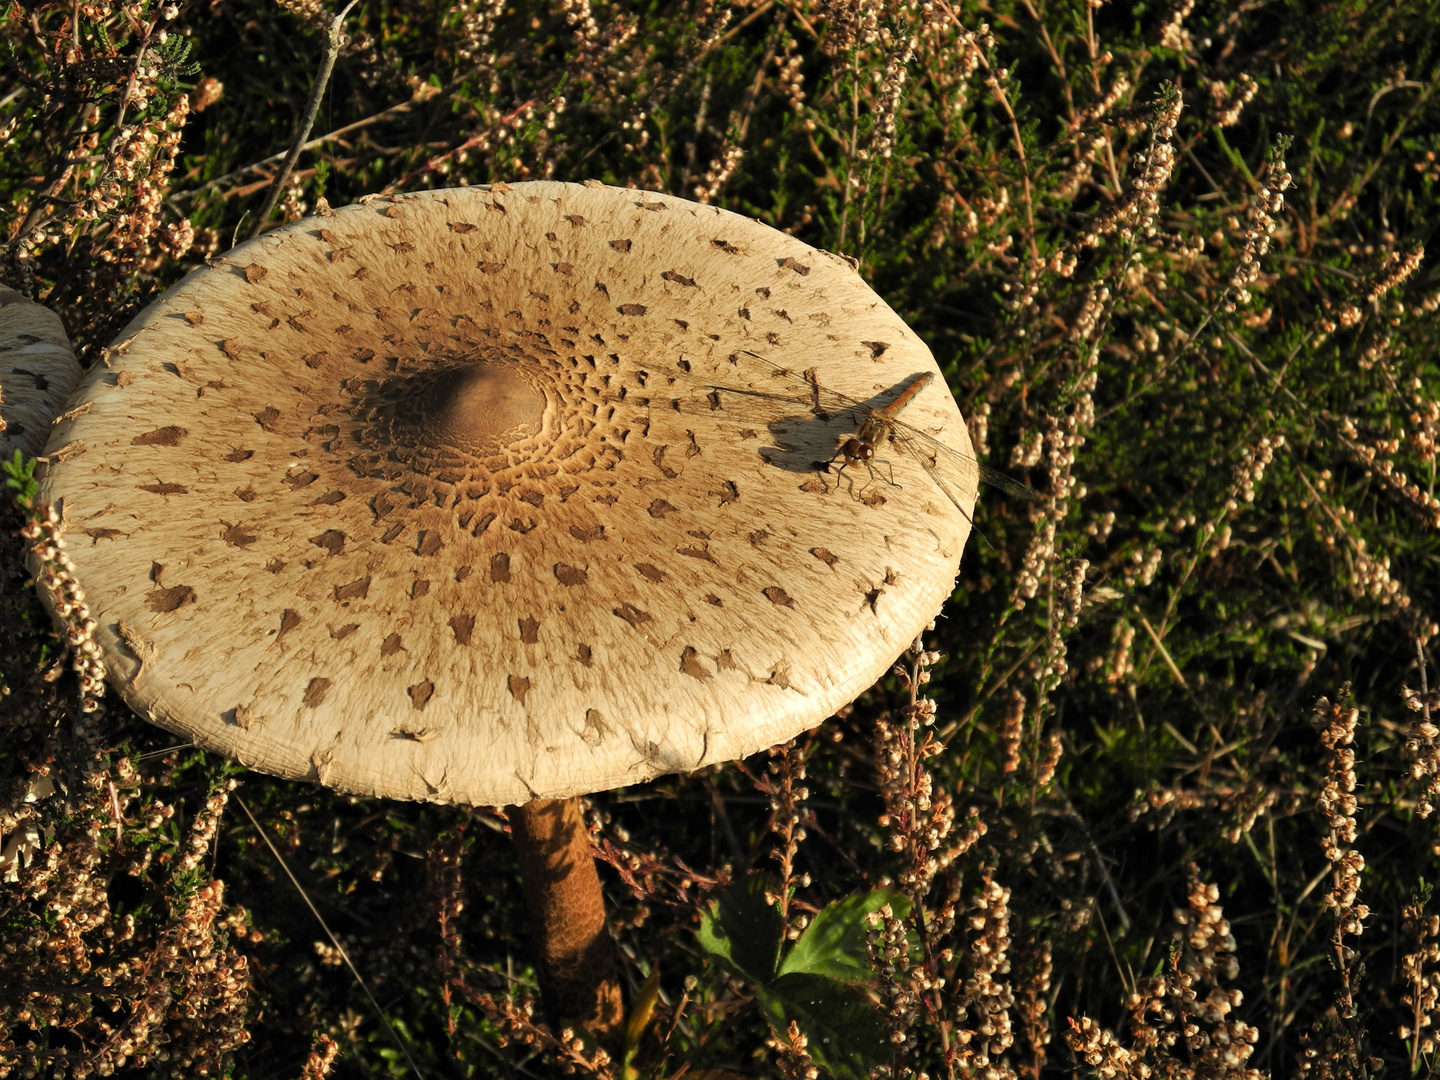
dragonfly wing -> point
(794, 384)
(792, 432)
(1007, 484)
(697, 398)
(964, 469)
(804, 439)
(757, 392)
(759, 407)
(951, 474)
(753, 390)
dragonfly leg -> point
(850, 480)
(870, 469)
(888, 468)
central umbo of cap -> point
(490, 494)
(477, 407)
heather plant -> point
(1155, 795)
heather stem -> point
(312, 108)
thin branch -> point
(1347, 199)
(333, 38)
(454, 152)
(398, 109)
(334, 941)
(996, 85)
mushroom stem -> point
(567, 916)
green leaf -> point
(743, 930)
(820, 984)
(834, 944)
(845, 1032)
(20, 478)
(641, 1013)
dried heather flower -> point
(164, 996)
(1090, 314)
(1062, 438)
(1392, 274)
(1012, 725)
(1251, 471)
(1120, 660)
(719, 172)
(1229, 104)
(322, 1057)
(848, 23)
(477, 24)
(888, 96)
(1173, 34)
(1422, 978)
(887, 942)
(1027, 450)
(791, 80)
(792, 1048)
(1035, 966)
(207, 92)
(1182, 1023)
(309, 11)
(1038, 555)
(1072, 596)
(977, 423)
(1091, 114)
(292, 203)
(986, 997)
(1260, 223)
(785, 772)
(1098, 1048)
(1243, 804)
(919, 814)
(1422, 742)
(1134, 213)
(1336, 725)
(56, 577)
(204, 825)
(1051, 750)
(1370, 576)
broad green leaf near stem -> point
(833, 945)
(743, 930)
(823, 983)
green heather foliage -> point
(1153, 799)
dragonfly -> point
(953, 472)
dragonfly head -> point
(857, 451)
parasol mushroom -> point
(38, 371)
(435, 497)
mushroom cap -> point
(38, 371)
(433, 497)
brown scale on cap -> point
(468, 464)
